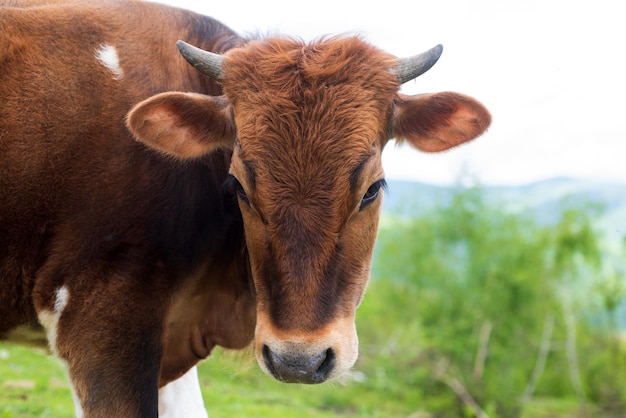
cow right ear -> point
(183, 125)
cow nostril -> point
(323, 371)
(267, 357)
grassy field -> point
(33, 384)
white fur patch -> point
(60, 302)
(50, 321)
(107, 55)
(78, 408)
(182, 397)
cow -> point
(151, 209)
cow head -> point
(307, 124)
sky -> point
(551, 72)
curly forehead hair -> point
(330, 95)
(338, 59)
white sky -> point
(552, 73)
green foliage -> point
(486, 287)
(603, 350)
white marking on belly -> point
(107, 55)
(182, 398)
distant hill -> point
(544, 199)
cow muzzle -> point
(306, 357)
(295, 364)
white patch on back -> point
(107, 55)
(182, 398)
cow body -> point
(141, 248)
(138, 262)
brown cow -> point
(255, 219)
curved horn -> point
(206, 62)
(409, 68)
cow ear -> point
(439, 121)
(183, 125)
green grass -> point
(234, 384)
(559, 408)
(33, 384)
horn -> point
(206, 62)
(412, 67)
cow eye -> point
(372, 193)
(234, 185)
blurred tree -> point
(493, 297)
(603, 353)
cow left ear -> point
(183, 125)
(439, 121)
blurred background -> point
(498, 283)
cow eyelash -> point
(235, 187)
(372, 193)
